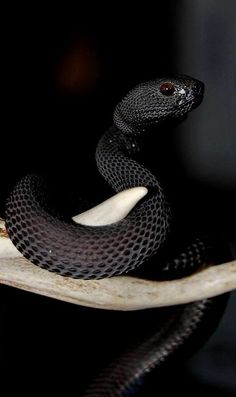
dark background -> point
(64, 71)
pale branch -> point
(116, 293)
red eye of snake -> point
(167, 88)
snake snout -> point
(190, 92)
(198, 92)
(198, 88)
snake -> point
(95, 252)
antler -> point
(116, 293)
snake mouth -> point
(192, 101)
(198, 94)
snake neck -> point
(115, 163)
(121, 171)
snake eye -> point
(167, 88)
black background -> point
(64, 71)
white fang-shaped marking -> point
(112, 210)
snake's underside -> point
(90, 252)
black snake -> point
(88, 252)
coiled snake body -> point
(96, 252)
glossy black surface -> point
(37, 110)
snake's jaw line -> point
(112, 210)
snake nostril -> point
(167, 88)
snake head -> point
(161, 100)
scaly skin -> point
(96, 252)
